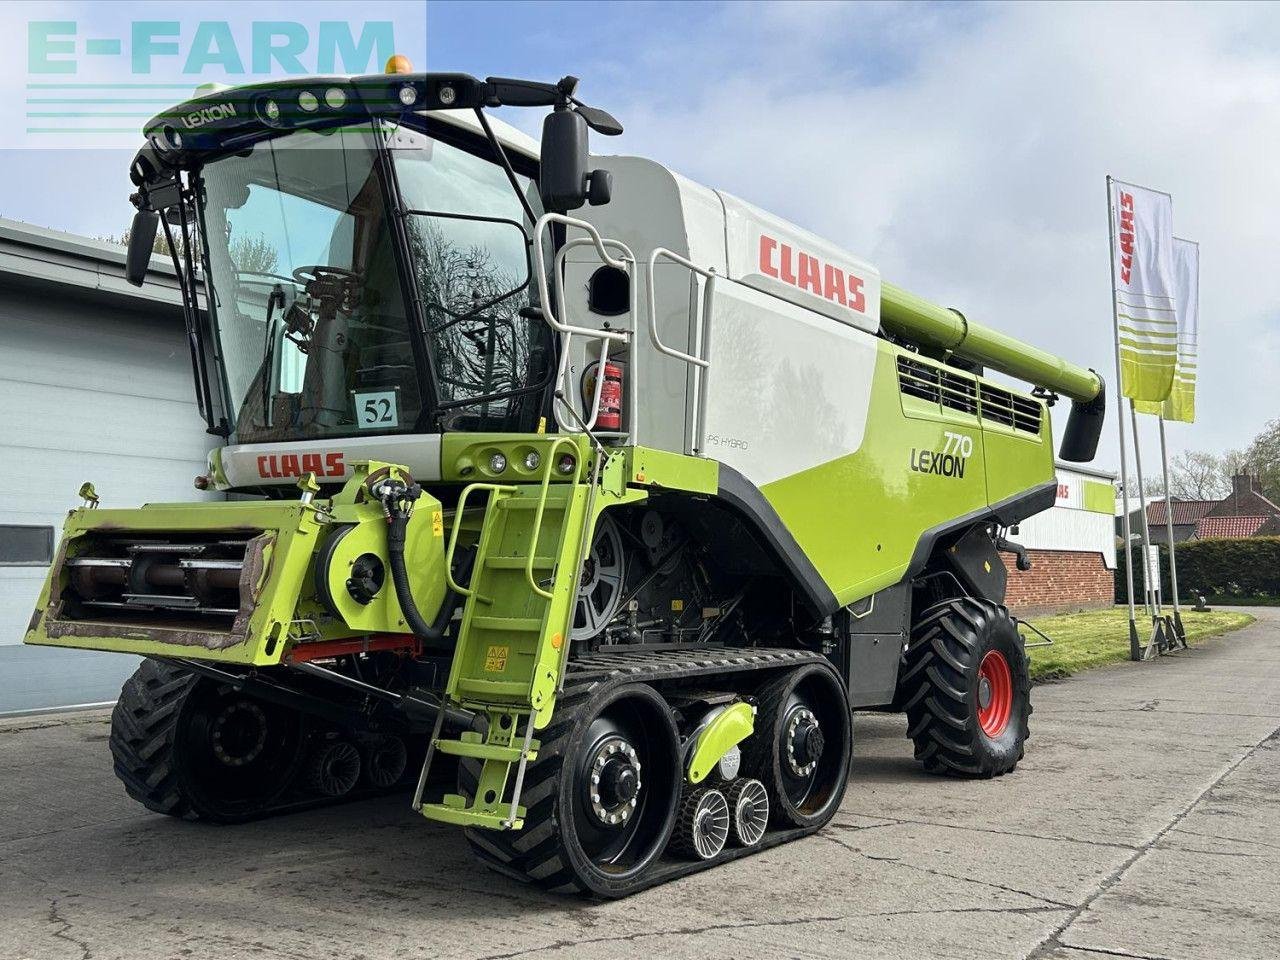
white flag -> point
(1143, 271)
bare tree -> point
(1263, 460)
(1196, 475)
(1153, 487)
(253, 253)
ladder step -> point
(488, 692)
(454, 810)
(485, 751)
(531, 503)
(513, 624)
(518, 563)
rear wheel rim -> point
(995, 694)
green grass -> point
(1084, 640)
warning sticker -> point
(437, 523)
(677, 606)
(495, 660)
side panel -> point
(860, 516)
(789, 389)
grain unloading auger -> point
(603, 522)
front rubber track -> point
(147, 724)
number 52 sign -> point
(377, 410)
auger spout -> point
(913, 318)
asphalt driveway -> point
(1144, 822)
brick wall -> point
(1059, 581)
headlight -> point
(447, 96)
(271, 110)
(408, 95)
(335, 98)
(531, 460)
(307, 101)
(497, 463)
(566, 463)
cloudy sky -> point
(961, 148)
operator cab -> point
(366, 263)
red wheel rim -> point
(995, 693)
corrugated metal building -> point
(1072, 548)
(95, 384)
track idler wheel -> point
(702, 826)
(334, 768)
(749, 808)
(801, 746)
(385, 759)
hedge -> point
(1216, 568)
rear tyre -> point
(601, 796)
(966, 689)
(801, 746)
(187, 747)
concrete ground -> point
(1144, 823)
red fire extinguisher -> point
(610, 414)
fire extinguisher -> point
(610, 414)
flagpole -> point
(1150, 591)
(1179, 632)
(1135, 650)
(1153, 589)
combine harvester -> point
(615, 517)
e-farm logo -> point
(95, 80)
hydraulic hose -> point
(399, 504)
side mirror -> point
(142, 239)
(563, 177)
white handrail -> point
(544, 294)
(625, 262)
(653, 303)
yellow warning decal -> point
(437, 523)
(495, 660)
(677, 605)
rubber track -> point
(535, 854)
(944, 646)
(142, 733)
(143, 727)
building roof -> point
(1184, 511)
(1228, 528)
(1062, 466)
(31, 254)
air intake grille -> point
(955, 391)
(937, 385)
(1001, 406)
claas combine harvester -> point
(594, 527)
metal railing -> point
(494, 488)
(700, 360)
(625, 261)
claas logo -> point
(1126, 236)
(808, 272)
(275, 466)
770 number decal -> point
(950, 461)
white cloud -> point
(975, 173)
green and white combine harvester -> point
(596, 527)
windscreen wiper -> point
(276, 296)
